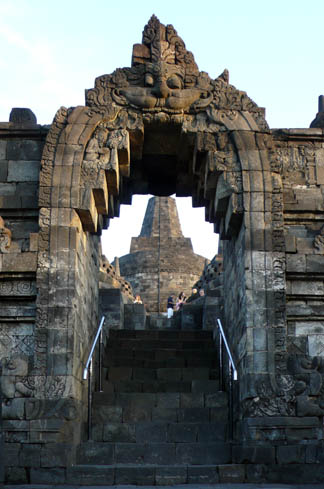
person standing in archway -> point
(170, 306)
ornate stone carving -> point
(5, 237)
(319, 242)
(268, 402)
(59, 122)
(53, 409)
(164, 78)
(96, 151)
(17, 288)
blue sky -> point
(52, 51)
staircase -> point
(161, 419)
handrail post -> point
(232, 376)
(100, 362)
(87, 372)
(230, 403)
(89, 402)
(220, 361)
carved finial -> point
(225, 76)
(318, 122)
(20, 115)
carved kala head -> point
(164, 78)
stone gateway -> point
(162, 127)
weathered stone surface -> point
(262, 190)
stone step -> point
(137, 413)
(175, 362)
(160, 344)
(115, 374)
(160, 400)
(160, 334)
(151, 386)
(190, 357)
(149, 475)
(105, 453)
(157, 432)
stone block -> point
(305, 245)
(290, 243)
(137, 414)
(108, 414)
(202, 453)
(60, 363)
(16, 475)
(182, 432)
(57, 455)
(19, 262)
(168, 399)
(13, 408)
(3, 149)
(95, 453)
(24, 149)
(191, 373)
(3, 170)
(259, 339)
(170, 475)
(205, 386)
(30, 455)
(211, 432)
(217, 400)
(289, 474)
(304, 328)
(85, 475)
(314, 263)
(169, 374)
(137, 399)
(16, 431)
(23, 171)
(253, 454)
(8, 190)
(160, 453)
(11, 454)
(295, 262)
(291, 454)
(144, 374)
(316, 345)
(193, 415)
(203, 474)
(151, 432)
(130, 453)
(119, 373)
(47, 476)
(164, 414)
(141, 476)
(231, 474)
(119, 432)
(189, 400)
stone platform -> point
(191, 486)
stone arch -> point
(223, 163)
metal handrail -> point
(227, 349)
(88, 370)
(232, 374)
